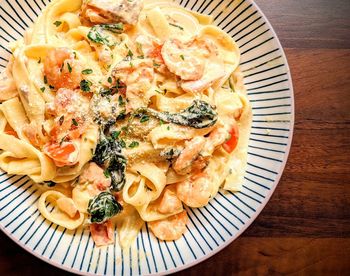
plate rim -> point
(253, 216)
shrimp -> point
(94, 174)
(184, 162)
(151, 47)
(195, 191)
(137, 75)
(194, 157)
(61, 69)
(169, 203)
(217, 137)
(196, 62)
(171, 228)
(182, 60)
(213, 73)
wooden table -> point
(305, 228)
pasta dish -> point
(124, 112)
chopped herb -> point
(45, 80)
(85, 85)
(57, 23)
(61, 120)
(124, 128)
(51, 86)
(170, 154)
(141, 57)
(63, 139)
(107, 173)
(155, 64)
(110, 79)
(131, 64)
(39, 61)
(161, 122)
(177, 26)
(42, 89)
(168, 128)
(130, 54)
(50, 183)
(139, 48)
(231, 85)
(144, 118)
(69, 67)
(85, 139)
(182, 57)
(114, 28)
(87, 71)
(105, 91)
(115, 134)
(96, 33)
(122, 143)
(134, 144)
(159, 92)
(74, 122)
(120, 101)
(75, 54)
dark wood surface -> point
(305, 228)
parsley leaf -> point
(74, 122)
(115, 134)
(85, 85)
(134, 144)
(69, 67)
(87, 71)
(177, 26)
(144, 118)
(61, 120)
(57, 23)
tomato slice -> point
(232, 142)
(65, 154)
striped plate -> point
(210, 228)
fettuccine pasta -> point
(124, 112)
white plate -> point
(210, 228)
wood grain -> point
(305, 228)
(276, 256)
(311, 23)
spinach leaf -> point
(108, 154)
(198, 115)
(102, 207)
(97, 34)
